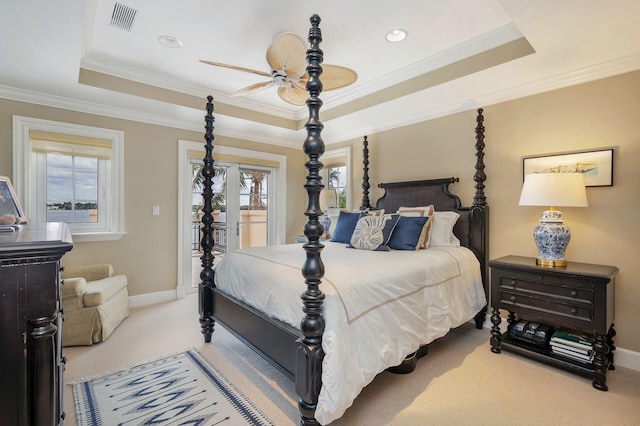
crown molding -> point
(485, 42)
(54, 101)
(292, 139)
(97, 64)
(603, 70)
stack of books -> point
(574, 346)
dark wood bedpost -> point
(205, 290)
(366, 203)
(309, 354)
(480, 212)
(479, 177)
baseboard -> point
(622, 357)
(626, 358)
(152, 298)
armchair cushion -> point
(100, 291)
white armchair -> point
(94, 301)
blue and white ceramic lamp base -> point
(552, 238)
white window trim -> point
(279, 222)
(25, 183)
(342, 153)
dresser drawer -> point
(550, 311)
(545, 287)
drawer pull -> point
(574, 311)
(513, 282)
(574, 293)
(512, 298)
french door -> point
(249, 205)
(242, 207)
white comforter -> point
(379, 306)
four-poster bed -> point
(310, 350)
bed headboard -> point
(427, 192)
(472, 228)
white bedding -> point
(379, 306)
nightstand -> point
(577, 298)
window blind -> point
(65, 144)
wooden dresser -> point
(30, 324)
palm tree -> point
(255, 198)
(219, 200)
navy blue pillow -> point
(406, 234)
(344, 228)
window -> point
(336, 177)
(338, 182)
(70, 173)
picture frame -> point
(9, 203)
(596, 165)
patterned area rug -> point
(180, 389)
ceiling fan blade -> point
(335, 77)
(253, 88)
(294, 95)
(233, 67)
(288, 51)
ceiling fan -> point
(286, 55)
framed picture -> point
(9, 203)
(597, 166)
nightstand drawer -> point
(555, 311)
(547, 288)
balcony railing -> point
(219, 236)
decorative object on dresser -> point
(10, 208)
(553, 189)
(30, 341)
(576, 301)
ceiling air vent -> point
(123, 16)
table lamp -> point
(553, 189)
(327, 200)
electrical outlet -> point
(156, 210)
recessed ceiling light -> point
(395, 36)
(169, 41)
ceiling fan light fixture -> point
(170, 41)
(396, 35)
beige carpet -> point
(460, 381)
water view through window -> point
(72, 189)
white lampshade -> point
(328, 198)
(554, 189)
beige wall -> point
(148, 251)
(589, 116)
(593, 115)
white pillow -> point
(421, 211)
(442, 229)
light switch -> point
(156, 210)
